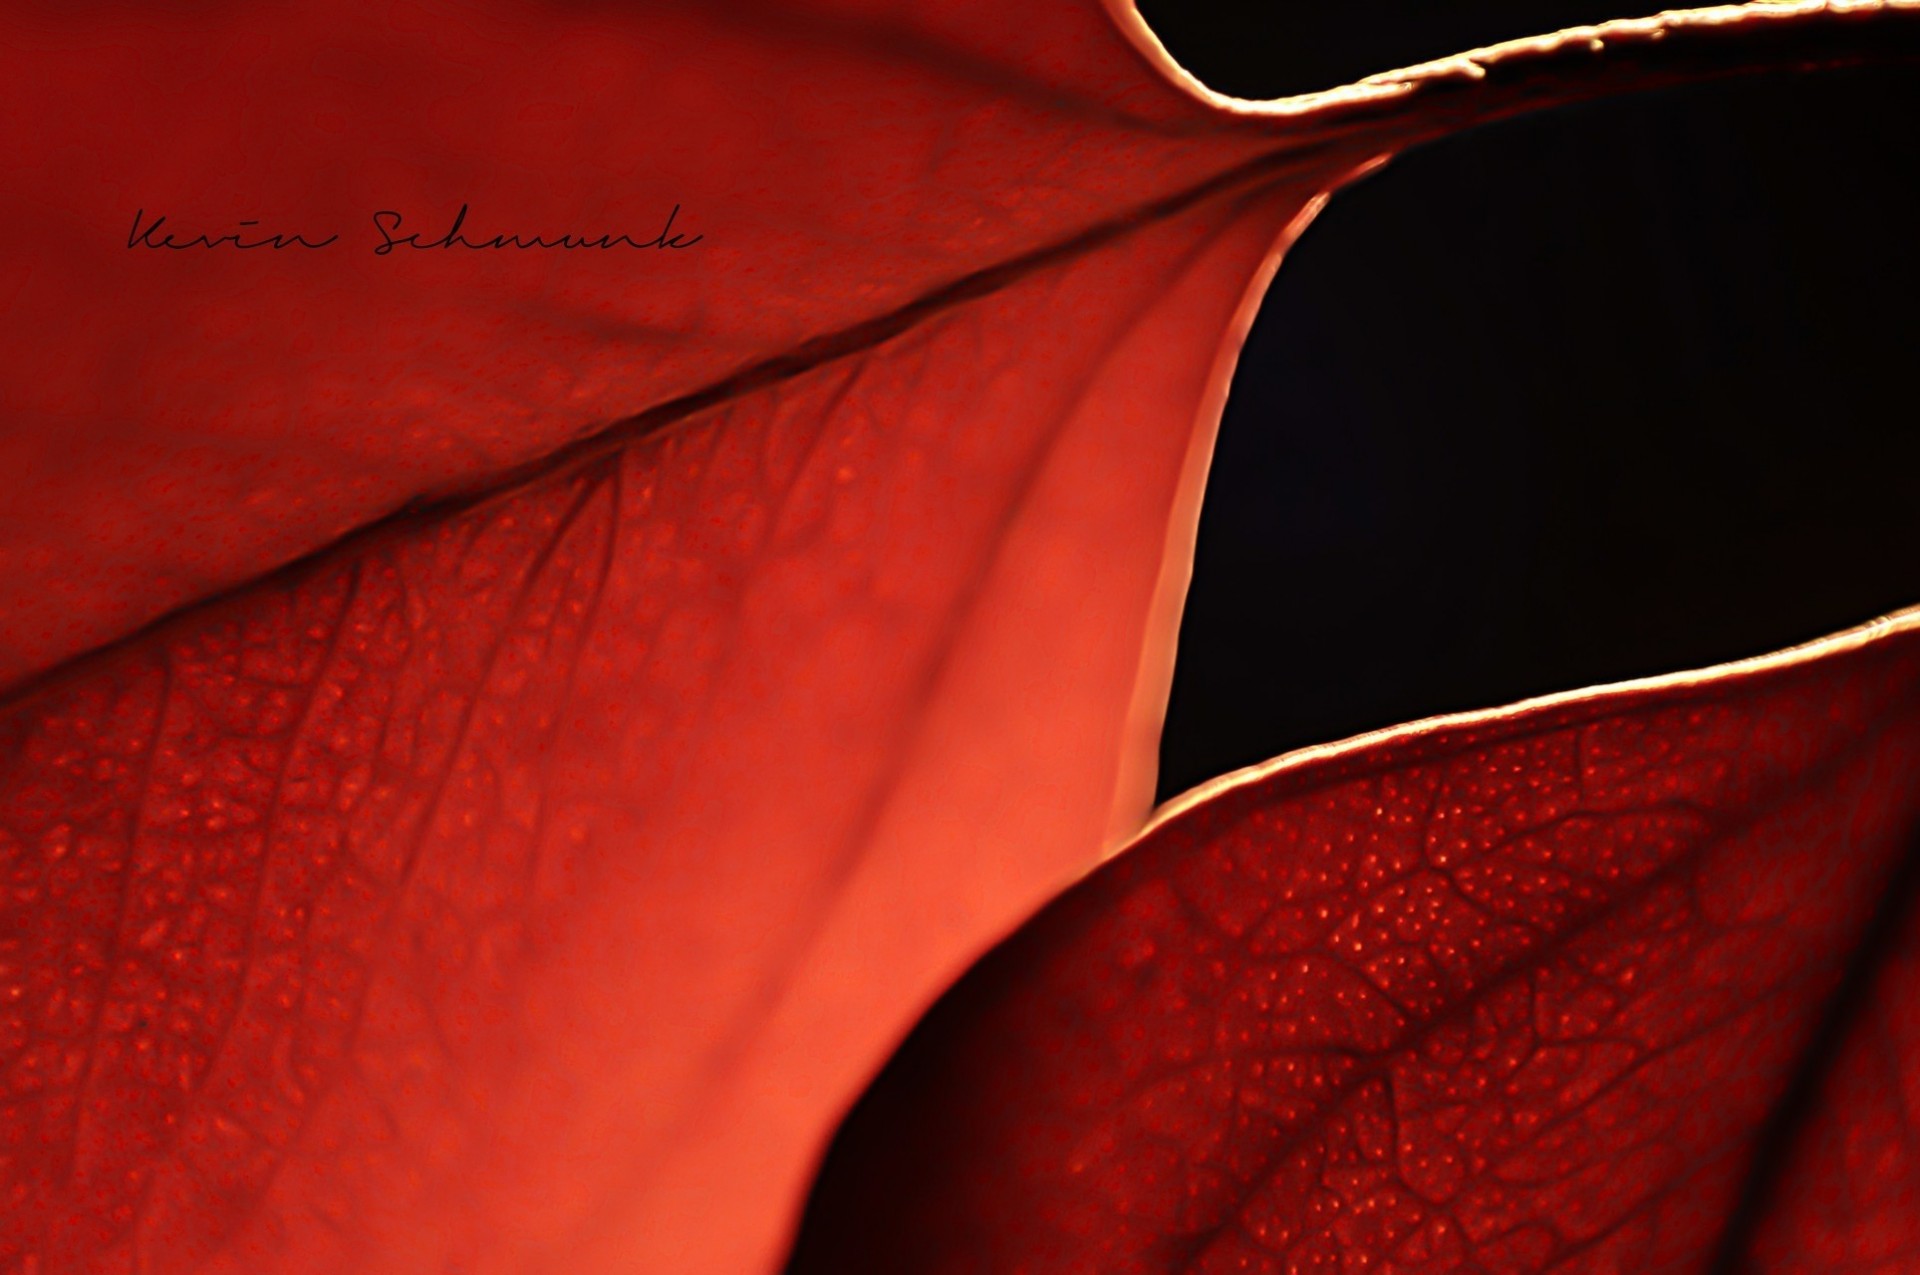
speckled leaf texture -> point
(1626, 981)
(498, 749)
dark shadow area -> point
(1615, 391)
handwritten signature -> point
(387, 223)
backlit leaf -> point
(587, 706)
(1617, 981)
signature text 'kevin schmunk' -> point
(149, 234)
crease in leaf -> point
(512, 378)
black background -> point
(1616, 390)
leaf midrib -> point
(1286, 160)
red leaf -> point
(181, 421)
(530, 881)
(1614, 981)
(527, 880)
(590, 844)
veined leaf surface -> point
(1615, 981)
(547, 732)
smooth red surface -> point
(1518, 994)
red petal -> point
(1593, 984)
